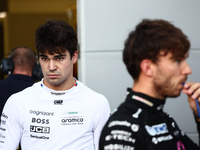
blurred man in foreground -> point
(155, 56)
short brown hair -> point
(148, 39)
(23, 57)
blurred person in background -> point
(22, 70)
(19, 67)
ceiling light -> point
(3, 14)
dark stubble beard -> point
(163, 86)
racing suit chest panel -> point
(147, 127)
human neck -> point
(27, 73)
(66, 85)
(147, 88)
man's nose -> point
(52, 65)
(186, 69)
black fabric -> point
(13, 84)
(140, 124)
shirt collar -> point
(145, 100)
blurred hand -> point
(193, 91)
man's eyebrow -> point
(60, 55)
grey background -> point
(103, 26)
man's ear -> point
(147, 67)
(75, 57)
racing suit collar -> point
(145, 100)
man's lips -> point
(52, 75)
(183, 82)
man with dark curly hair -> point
(155, 56)
(59, 112)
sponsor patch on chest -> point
(157, 129)
(58, 102)
(73, 120)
